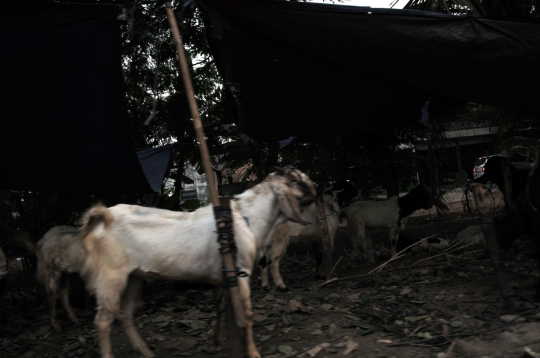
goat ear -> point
(280, 170)
(290, 206)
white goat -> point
(292, 232)
(127, 243)
(58, 252)
(391, 214)
(3, 264)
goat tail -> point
(105, 269)
(94, 217)
(94, 221)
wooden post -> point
(328, 245)
(486, 222)
(509, 191)
(228, 258)
(369, 250)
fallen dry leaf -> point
(295, 305)
(286, 330)
(314, 351)
(333, 331)
(416, 318)
(351, 346)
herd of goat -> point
(117, 248)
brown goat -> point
(58, 253)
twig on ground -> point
(375, 274)
(400, 254)
(294, 354)
(450, 350)
(50, 345)
(304, 319)
(447, 337)
(416, 343)
(333, 268)
(447, 253)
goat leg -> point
(52, 284)
(251, 347)
(126, 316)
(103, 322)
(263, 264)
(276, 275)
(64, 298)
(318, 265)
(393, 235)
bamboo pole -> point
(228, 258)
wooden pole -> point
(323, 226)
(492, 246)
(228, 258)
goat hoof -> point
(254, 355)
(282, 289)
(148, 354)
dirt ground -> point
(427, 304)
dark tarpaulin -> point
(306, 69)
(154, 162)
(63, 102)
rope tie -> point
(224, 221)
(333, 211)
